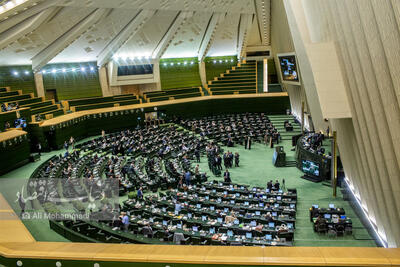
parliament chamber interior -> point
(199, 133)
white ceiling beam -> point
(6, 12)
(20, 30)
(133, 27)
(208, 37)
(246, 21)
(170, 34)
(14, 20)
(52, 50)
(263, 8)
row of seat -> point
(174, 93)
(101, 102)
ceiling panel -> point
(187, 41)
(234, 6)
(225, 37)
(146, 40)
(90, 44)
(22, 50)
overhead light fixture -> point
(83, 69)
(220, 61)
(185, 63)
(15, 73)
(26, 72)
(192, 63)
(172, 63)
(43, 71)
(10, 5)
(231, 60)
(165, 64)
(73, 69)
(92, 68)
(179, 63)
(64, 70)
(215, 61)
(53, 70)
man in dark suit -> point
(227, 177)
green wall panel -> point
(70, 84)
(220, 66)
(175, 74)
(22, 81)
(14, 153)
(260, 76)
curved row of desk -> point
(17, 246)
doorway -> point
(51, 94)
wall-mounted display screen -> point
(135, 70)
(310, 167)
(289, 68)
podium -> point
(279, 157)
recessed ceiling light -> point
(26, 72)
(53, 70)
(83, 69)
(73, 69)
(15, 73)
(64, 70)
(10, 4)
(43, 71)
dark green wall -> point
(178, 76)
(14, 153)
(22, 81)
(71, 85)
(260, 76)
(215, 69)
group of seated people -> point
(213, 213)
(129, 157)
(9, 107)
(314, 142)
(288, 126)
(330, 220)
(230, 129)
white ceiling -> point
(79, 30)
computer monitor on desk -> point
(331, 206)
(249, 235)
(327, 216)
(229, 233)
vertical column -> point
(202, 71)
(265, 71)
(105, 88)
(39, 84)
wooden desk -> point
(16, 243)
(4, 136)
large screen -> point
(288, 66)
(310, 167)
